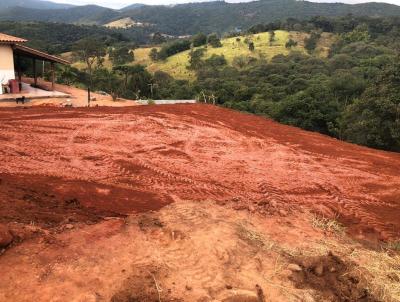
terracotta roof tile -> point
(10, 39)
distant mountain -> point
(36, 4)
(221, 16)
(89, 14)
(206, 17)
(132, 6)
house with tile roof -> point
(12, 50)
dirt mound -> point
(127, 160)
(143, 286)
(333, 279)
(186, 251)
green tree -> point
(313, 109)
(214, 41)
(359, 34)
(68, 75)
(121, 55)
(153, 54)
(240, 61)
(91, 52)
(311, 42)
(174, 47)
(139, 81)
(108, 81)
(199, 40)
(195, 58)
(251, 46)
(346, 86)
(125, 71)
(271, 37)
(290, 43)
(216, 61)
(372, 122)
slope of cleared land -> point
(231, 48)
(121, 23)
(191, 203)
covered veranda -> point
(29, 92)
(33, 90)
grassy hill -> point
(121, 23)
(126, 23)
(177, 65)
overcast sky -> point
(122, 3)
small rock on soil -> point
(5, 236)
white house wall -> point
(6, 64)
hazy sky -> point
(122, 3)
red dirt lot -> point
(83, 164)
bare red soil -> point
(77, 98)
(81, 164)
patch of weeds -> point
(254, 238)
(334, 279)
(394, 245)
(327, 224)
(148, 222)
(384, 272)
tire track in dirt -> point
(181, 254)
(198, 153)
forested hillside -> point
(206, 17)
(58, 38)
(38, 4)
(223, 17)
(89, 14)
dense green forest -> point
(353, 94)
(207, 17)
(57, 38)
(89, 15)
(223, 17)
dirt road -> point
(115, 161)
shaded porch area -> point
(25, 60)
(35, 55)
(31, 93)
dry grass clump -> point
(327, 224)
(254, 238)
(382, 267)
(394, 245)
(384, 272)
